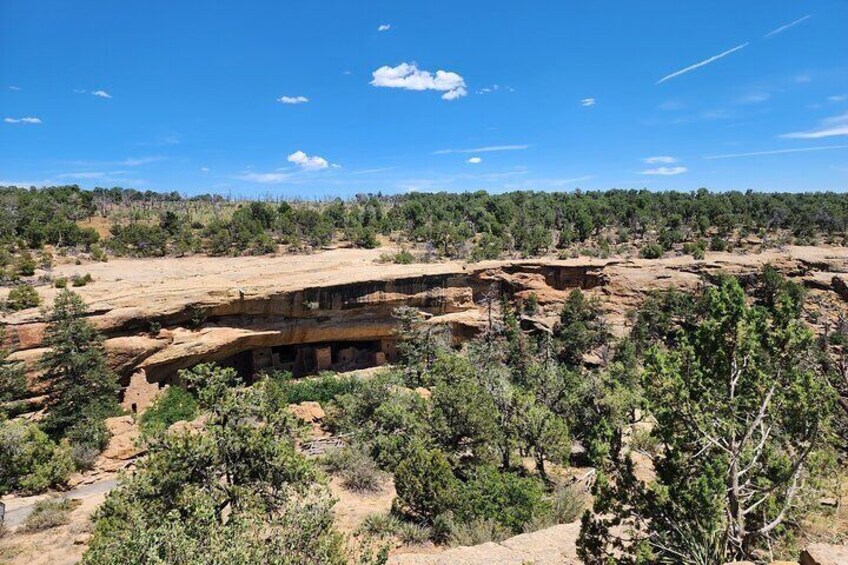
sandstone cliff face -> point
(210, 309)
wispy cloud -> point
(494, 88)
(829, 127)
(264, 178)
(138, 161)
(90, 175)
(308, 163)
(28, 120)
(474, 160)
(15, 88)
(776, 152)
(754, 98)
(117, 177)
(664, 171)
(384, 27)
(372, 171)
(409, 77)
(101, 94)
(487, 149)
(703, 63)
(837, 98)
(659, 159)
(783, 28)
(586, 102)
(292, 99)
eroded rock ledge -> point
(335, 308)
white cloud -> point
(703, 63)
(308, 163)
(664, 171)
(384, 27)
(489, 89)
(409, 77)
(205, 169)
(474, 160)
(101, 94)
(830, 127)
(264, 178)
(586, 102)
(838, 98)
(776, 152)
(660, 159)
(487, 149)
(27, 120)
(138, 161)
(15, 88)
(753, 98)
(292, 99)
(783, 28)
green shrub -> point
(643, 442)
(718, 243)
(425, 483)
(99, 254)
(81, 280)
(50, 513)
(380, 525)
(60, 282)
(507, 498)
(651, 251)
(321, 389)
(402, 257)
(476, 532)
(563, 505)
(88, 438)
(357, 469)
(22, 297)
(26, 265)
(412, 533)
(173, 405)
(30, 462)
(366, 238)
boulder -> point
(309, 412)
(193, 426)
(825, 554)
(123, 445)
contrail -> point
(702, 63)
(482, 149)
(787, 26)
(776, 152)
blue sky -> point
(317, 99)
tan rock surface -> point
(343, 295)
(309, 412)
(825, 554)
(552, 546)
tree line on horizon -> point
(470, 225)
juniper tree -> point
(234, 491)
(740, 412)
